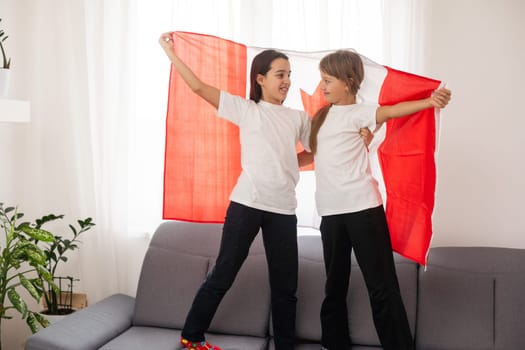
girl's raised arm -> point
(439, 99)
(207, 92)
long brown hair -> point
(261, 64)
(343, 65)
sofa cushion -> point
(310, 293)
(245, 309)
(140, 338)
(178, 259)
(472, 298)
(166, 289)
(316, 346)
(455, 310)
(510, 309)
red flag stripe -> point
(198, 143)
(407, 162)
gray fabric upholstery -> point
(142, 338)
(165, 290)
(469, 298)
(472, 298)
(87, 329)
(177, 249)
(241, 313)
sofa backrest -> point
(179, 257)
(311, 293)
(472, 298)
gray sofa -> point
(467, 298)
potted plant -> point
(5, 64)
(22, 266)
(29, 260)
(58, 296)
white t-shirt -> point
(269, 134)
(342, 168)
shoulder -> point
(366, 107)
(229, 101)
(366, 111)
(226, 96)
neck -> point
(347, 100)
(274, 102)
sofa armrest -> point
(86, 329)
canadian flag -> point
(202, 160)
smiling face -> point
(276, 82)
(336, 91)
(342, 73)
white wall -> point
(477, 46)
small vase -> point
(4, 81)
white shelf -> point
(17, 111)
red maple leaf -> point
(312, 103)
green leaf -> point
(36, 258)
(17, 301)
(17, 216)
(32, 322)
(9, 209)
(47, 218)
(41, 319)
(88, 222)
(27, 251)
(44, 273)
(74, 229)
(38, 234)
(48, 277)
(30, 287)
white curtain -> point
(99, 95)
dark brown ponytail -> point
(317, 122)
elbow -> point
(197, 89)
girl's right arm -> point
(439, 99)
(207, 92)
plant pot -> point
(76, 300)
(54, 318)
(68, 303)
(4, 81)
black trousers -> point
(241, 226)
(367, 233)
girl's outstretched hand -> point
(166, 41)
(440, 98)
